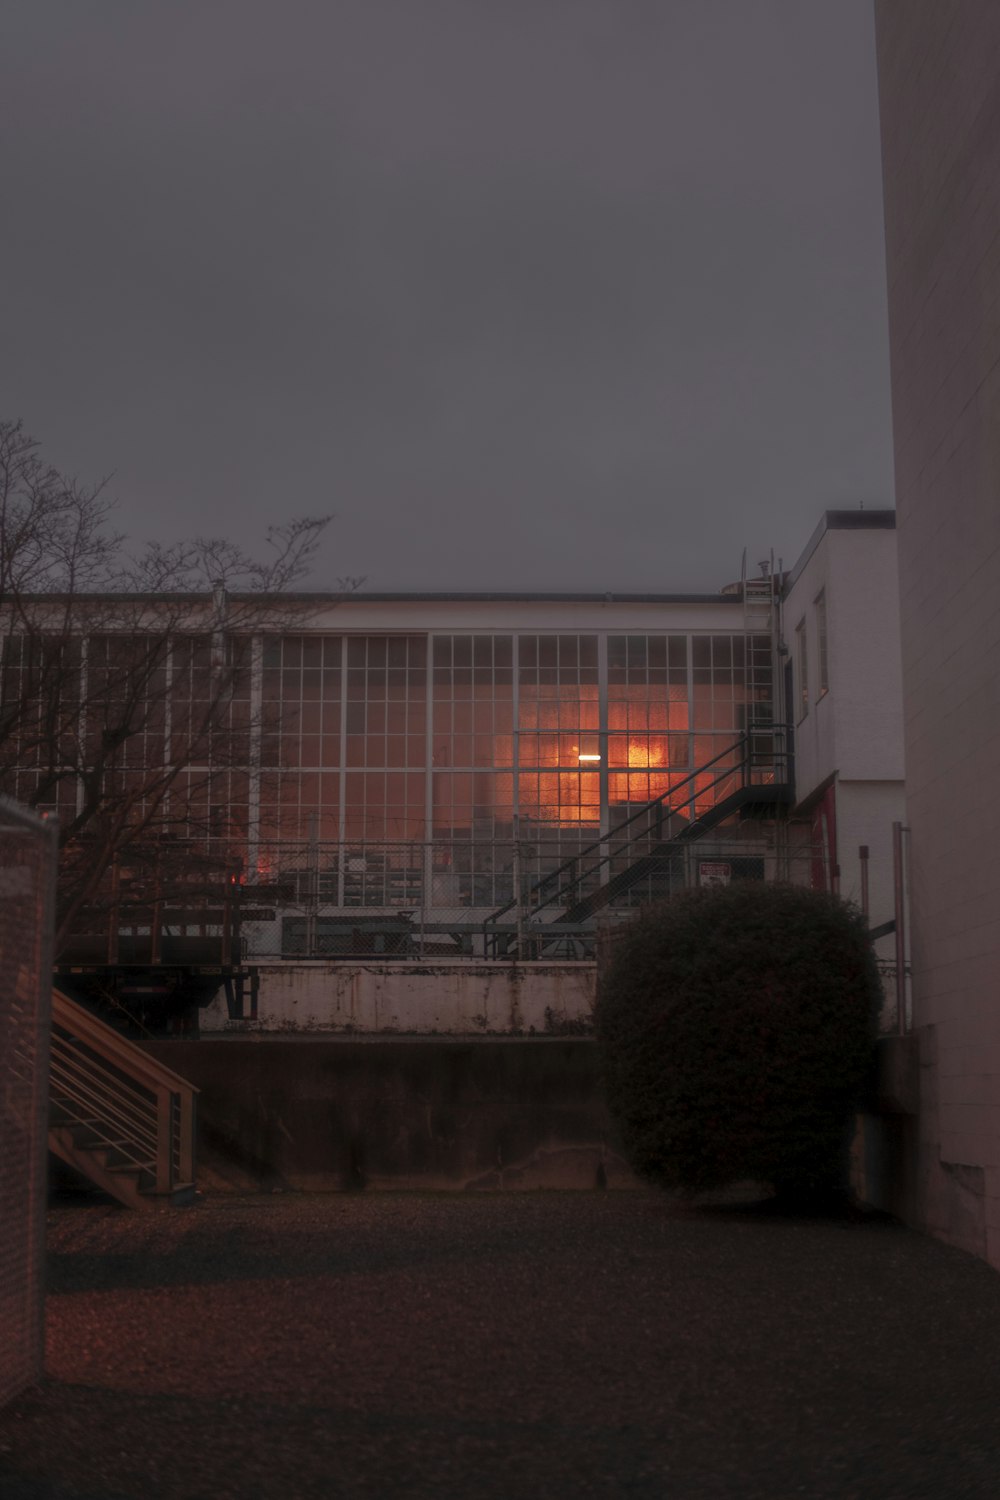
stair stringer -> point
(121, 1118)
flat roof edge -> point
(334, 597)
(839, 520)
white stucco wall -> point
(866, 811)
(940, 110)
(856, 728)
(416, 615)
(852, 735)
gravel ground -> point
(537, 1345)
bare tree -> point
(124, 674)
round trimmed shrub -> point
(737, 1026)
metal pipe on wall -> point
(897, 883)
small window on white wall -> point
(824, 670)
(802, 668)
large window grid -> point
(472, 808)
(385, 722)
(649, 741)
(386, 708)
(510, 741)
(130, 730)
(559, 745)
(208, 727)
(42, 680)
(459, 746)
(300, 737)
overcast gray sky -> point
(569, 294)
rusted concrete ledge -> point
(449, 996)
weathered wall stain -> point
(443, 999)
(332, 1114)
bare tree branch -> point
(123, 673)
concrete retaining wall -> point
(332, 1114)
(444, 998)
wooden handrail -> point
(84, 1079)
(73, 1093)
(114, 1047)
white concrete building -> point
(413, 800)
(843, 697)
(940, 112)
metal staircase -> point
(116, 1115)
(748, 777)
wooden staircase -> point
(119, 1117)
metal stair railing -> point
(126, 1102)
(563, 885)
(553, 887)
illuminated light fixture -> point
(588, 757)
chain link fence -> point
(27, 884)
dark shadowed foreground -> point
(505, 1346)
